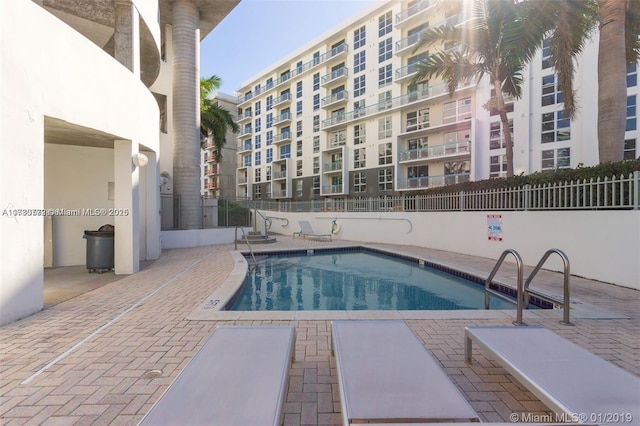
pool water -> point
(354, 281)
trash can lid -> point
(98, 233)
(107, 228)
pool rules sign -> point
(494, 227)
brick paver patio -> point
(106, 356)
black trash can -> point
(100, 249)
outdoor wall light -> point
(139, 159)
(164, 178)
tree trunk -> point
(612, 88)
(506, 133)
(186, 112)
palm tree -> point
(214, 119)
(493, 42)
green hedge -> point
(607, 170)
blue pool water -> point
(354, 281)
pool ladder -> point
(524, 293)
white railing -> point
(436, 151)
(616, 193)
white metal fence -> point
(618, 192)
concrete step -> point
(257, 238)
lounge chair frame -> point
(306, 230)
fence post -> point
(527, 191)
(461, 201)
(636, 190)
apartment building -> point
(339, 117)
(219, 177)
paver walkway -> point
(106, 356)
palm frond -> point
(632, 31)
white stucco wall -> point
(601, 245)
(48, 69)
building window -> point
(384, 24)
(385, 101)
(358, 86)
(258, 140)
(269, 137)
(316, 102)
(359, 134)
(359, 61)
(316, 144)
(269, 83)
(299, 89)
(298, 129)
(385, 155)
(359, 158)
(285, 151)
(546, 54)
(299, 187)
(268, 172)
(384, 128)
(298, 167)
(257, 192)
(496, 139)
(455, 111)
(258, 124)
(247, 160)
(359, 182)
(497, 166)
(316, 123)
(269, 102)
(258, 155)
(258, 107)
(385, 75)
(268, 194)
(258, 174)
(550, 93)
(269, 120)
(337, 138)
(299, 108)
(299, 149)
(316, 165)
(556, 159)
(269, 155)
(631, 113)
(555, 128)
(385, 180)
(359, 37)
(508, 103)
(632, 75)
(385, 50)
(417, 120)
(316, 185)
(629, 149)
(316, 81)
(359, 108)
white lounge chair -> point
(567, 378)
(386, 375)
(307, 231)
(238, 377)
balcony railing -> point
(279, 174)
(407, 42)
(433, 181)
(413, 10)
(247, 114)
(406, 71)
(285, 116)
(437, 151)
(280, 193)
(333, 166)
(282, 79)
(282, 137)
(246, 131)
(341, 96)
(387, 104)
(285, 97)
(245, 147)
(335, 75)
(242, 181)
(332, 189)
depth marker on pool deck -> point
(104, 326)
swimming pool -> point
(353, 280)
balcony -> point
(406, 72)
(281, 174)
(334, 76)
(334, 166)
(244, 147)
(246, 115)
(335, 99)
(409, 14)
(211, 172)
(209, 159)
(282, 137)
(331, 189)
(436, 152)
(432, 181)
(211, 185)
(285, 117)
(283, 78)
(337, 52)
(405, 45)
(279, 194)
(245, 98)
(246, 131)
(282, 99)
(242, 180)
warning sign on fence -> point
(494, 226)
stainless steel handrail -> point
(520, 298)
(247, 241)
(567, 274)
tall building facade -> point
(219, 177)
(340, 118)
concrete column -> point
(186, 111)
(127, 35)
(153, 206)
(127, 226)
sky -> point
(258, 33)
